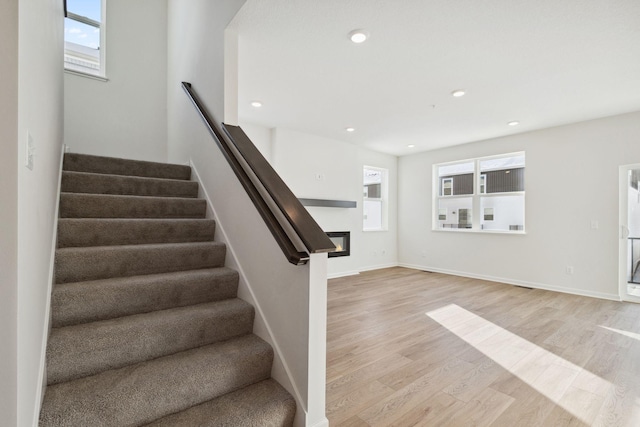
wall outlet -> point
(30, 150)
(569, 269)
(594, 224)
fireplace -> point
(342, 241)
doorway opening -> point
(630, 233)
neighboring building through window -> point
(84, 37)
(374, 204)
(481, 194)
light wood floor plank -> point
(412, 348)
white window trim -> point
(476, 213)
(102, 76)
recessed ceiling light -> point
(458, 93)
(410, 146)
(513, 123)
(350, 129)
(358, 36)
(256, 104)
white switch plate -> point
(30, 149)
(594, 224)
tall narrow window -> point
(481, 194)
(84, 37)
(374, 203)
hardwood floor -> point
(411, 348)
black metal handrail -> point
(233, 142)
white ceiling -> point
(541, 62)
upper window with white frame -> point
(483, 194)
(374, 202)
(84, 37)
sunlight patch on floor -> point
(541, 369)
(633, 335)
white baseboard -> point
(342, 274)
(42, 372)
(535, 285)
(360, 270)
(379, 266)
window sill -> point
(471, 231)
(86, 75)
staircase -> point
(147, 326)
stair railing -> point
(288, 221)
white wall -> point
(8, 210)
(40, 98)
(127, 115)
(571, 179)
(261, 137)
(298, 157)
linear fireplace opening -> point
(342, 241)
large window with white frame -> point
(374, 201)
(482, 194)
(84, 37)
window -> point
(374, 204)
(484, 194)
(84, 37)
(488, 214)
(447, 187)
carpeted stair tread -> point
(265, 404)
(79, 205)
(147, 391)
(77, 232)
(103, 262)
(147, 326)
(89, 348)
(114, 166)
(86, 182)
(82, 302)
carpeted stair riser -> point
(78, 351)
(265, 404)
(84, 182)
(147, 327)
(82, 302)
(145, 392)
(102, 262)
(76, 232)
(77, 205)
(108, 165)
